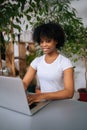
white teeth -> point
(45, 49)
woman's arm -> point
(66, 93)
(29, 76)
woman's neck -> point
(52, 54)
(49, 58)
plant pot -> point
(83, 94)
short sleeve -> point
(34, 63)
(66, 64)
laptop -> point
(13, 96)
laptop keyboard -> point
(32, 105)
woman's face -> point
(48, 45)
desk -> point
(58, 115)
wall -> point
(79, 74)
(81, 7)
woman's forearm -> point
(63, 94)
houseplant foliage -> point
(14, 13)
(17, 12)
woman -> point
(54, 71)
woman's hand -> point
(35, 98)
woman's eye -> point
(41, 42)
(48, 40)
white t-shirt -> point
(50, 76)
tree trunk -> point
(10, 58)
(22, 59)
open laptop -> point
(13, 96)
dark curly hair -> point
(51, 31)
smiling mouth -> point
(45, 49)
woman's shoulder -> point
(36, 61)
(39, 58)
(65, 62)
(63, 58)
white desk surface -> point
(58, 115)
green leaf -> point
(26, 26)
(28, 17)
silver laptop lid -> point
(12, 95)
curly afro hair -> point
(51, 31)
